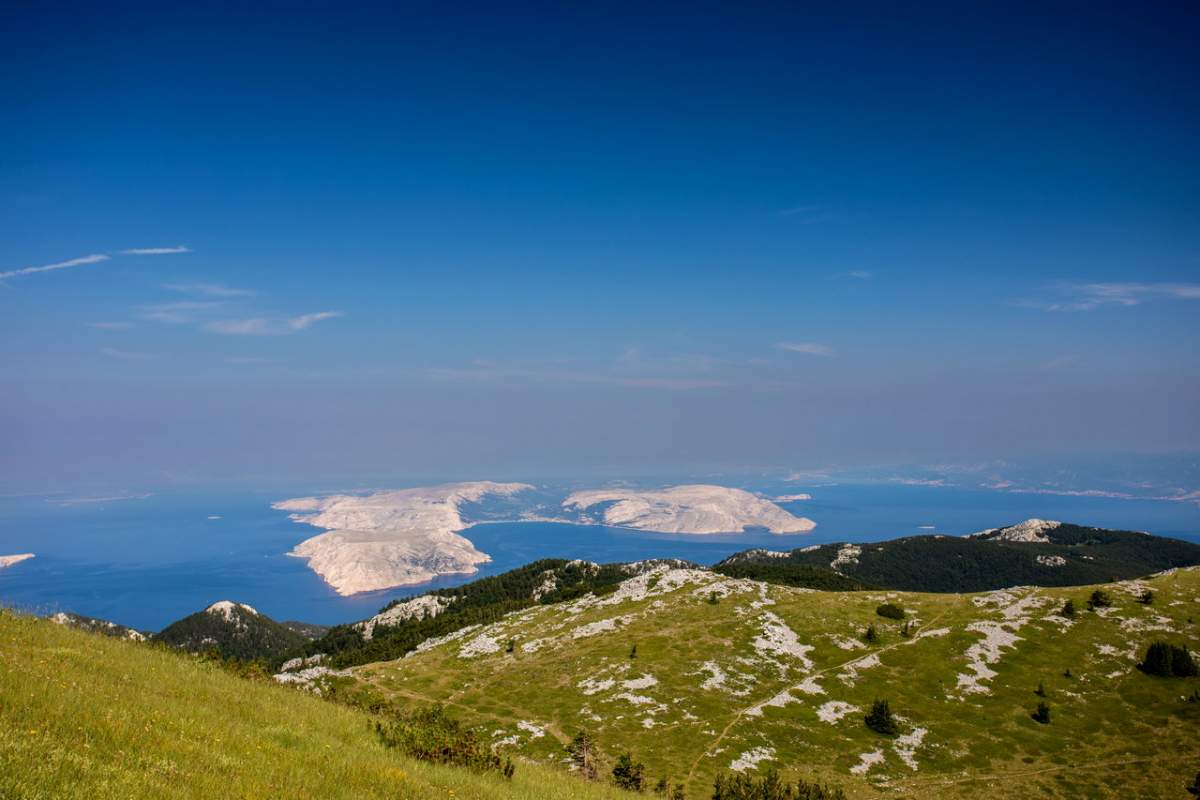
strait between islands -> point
(410, 536)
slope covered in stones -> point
(737, 674)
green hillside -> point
(88, 716)
(1061, 555)
(730, 672)
(234, 630)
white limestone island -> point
(411, 536)
(388, 539)
(696, 508)
(8, 561)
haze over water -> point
(148, 562)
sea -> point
(150, 559)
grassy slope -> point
(82, 715)
(1114, 732)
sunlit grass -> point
(84, 716)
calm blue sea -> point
(151, 561)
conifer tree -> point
(582, 750)
(871, 636)
(880, 718)
(1068, 609)
(628, 774)
(1042, 714)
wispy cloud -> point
(110, 326)
(95, 258)
(262, 326)
(1091, 296)
(808, 348)
(176, 313)
(856, 274)
(155, 251)
(305, 320)
(124, 355)
(209, 289)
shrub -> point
(433, 735)
(1168, 661)
(1068, 609)
(880, 719)
(1146, 598)
(1042, 714)
(1099, 599)
(891, 611)
(870, 636)
(1194, 788)
(629, 775)
(770, 787)
(714, 598)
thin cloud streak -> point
(1092, 296)
(305, 320)
(110, 326)
(176, 313)
(95, 258)
(807, 348)
(155, 251)
(209, 289)
(261, 326)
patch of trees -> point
(629, 774)
(880, 719)
(250, 637)
(771, 787)
(956, 564)
(433, 735)
(1042, 713)
(1168, 661)
(789, 572)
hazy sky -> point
(513, 238)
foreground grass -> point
(85, 716)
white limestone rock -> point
(388, 539)
(695, 509)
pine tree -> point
(1168, 660)
(512, 644)
(871, 636)
(713, 598)
(1068, 609)
(582, 750)
(628, 774)
(1040, 691)
(1042, 714)
(1194, 789)
(1146, 598)
(1067, 673)
(1099, 599)
(880, 718)
(633, 652)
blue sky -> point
(521, 238)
